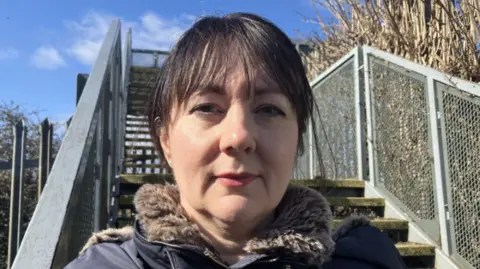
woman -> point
(228, 115)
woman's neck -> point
(227, 238)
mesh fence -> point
(462, 136)
(80, 219)
(404, 166)
(336, 124)
(302, 168)
(84, 217)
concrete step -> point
(137, 130)
(138, 139)
(396, 229)
(145, 76)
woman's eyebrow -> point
(266, 90)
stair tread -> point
(356, 201)
(144, 69)
(340, 183)
(381, 223)
(415, 249)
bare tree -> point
(10, 114)
(443, 34)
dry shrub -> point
(442, 34)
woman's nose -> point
(238, 131)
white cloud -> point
(150, 32)
(8, 53)
(47, 57)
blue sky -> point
(44, 44)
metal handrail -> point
(68, 211)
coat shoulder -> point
(362, 246)
(107, 255)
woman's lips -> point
(235, 179)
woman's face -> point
(233, 151)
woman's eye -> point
(206, 109)
(271, 110)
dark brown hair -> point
(207, 50)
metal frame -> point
(154, 53)
(356, 56)
(56, 206)
(431, 227)
(437, 139)
(439, 88)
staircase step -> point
(137, 109)
(380, 223)
(340, 187)
(395, 229)
(144, 70)
(356, 201)
(341, 183)
(138, 139)
(140, 179)
(140, 146)
(132, 158)
(141, 130)
(343, 207)
(143, 165)
(415, 249)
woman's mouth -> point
(235, 179)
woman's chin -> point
(233, 208)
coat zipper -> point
(214, 258)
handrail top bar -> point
(319, 78)
(41, 239)
(450, 80)
(161, 52)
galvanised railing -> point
(414, 134)
(74, 202)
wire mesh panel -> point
(404, 166)
(461, 131)
(336, 124)
(302, 168)
(82, 221)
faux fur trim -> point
(301, 229)
(109, 235)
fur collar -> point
(300, 230)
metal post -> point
(370, 119)
(43, 156)
(105, 168)
(439, 172)
(98, 171)
(16, 193)
(21, 184)
(360, 115)
(50, 148)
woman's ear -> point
(165, 143)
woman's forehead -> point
(255, 83)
